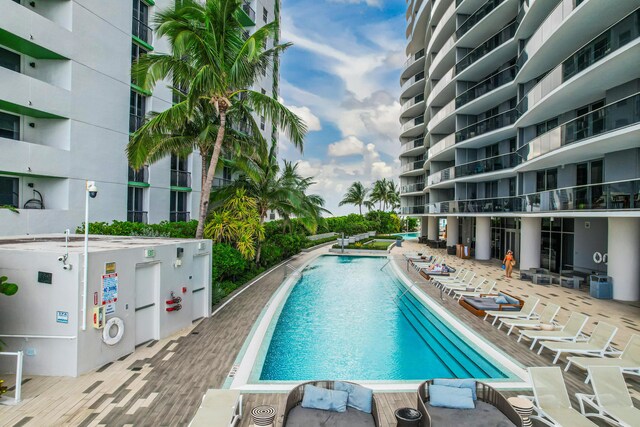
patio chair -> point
(419, 265)
(222, 408)
(441, 282)
(546, 317)
(598, 344)
(611, 398)
(526, 312)
(474, 284)
(550, 399)
(485, 288)
(628, 362)
(571, 331)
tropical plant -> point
(356, 195)
(212, 66)
(393, 195)
(7, 288)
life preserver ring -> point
(106, 336)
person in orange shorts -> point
(509, 261)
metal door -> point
(147, 304)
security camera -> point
(66, 267)
(92, 189)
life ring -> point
(106, 336)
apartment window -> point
(9, 191)
(137, 110)
(178, 206)
(226, 173)
(490, 189)
(547, 180)
(180, 175)
(140, 27)
(135, 203)
(9, 60)
(265, 14)
(262, 91)
(136, 52)
(546, 126)
(9, 126)
(492, 150)
(262, 123)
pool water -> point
(408, 236)
(348, 319)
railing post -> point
(19, 360)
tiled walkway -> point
(162, 383)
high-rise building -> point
(68, 106)
(521, 130)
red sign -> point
(95, 298)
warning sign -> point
(109, 288)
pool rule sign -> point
(109, 291)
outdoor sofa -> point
(491, 410)
(297, 416)
(480, 305)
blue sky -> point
(342, 77)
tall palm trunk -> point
(211, 171)
(263, 215)
(360, 208)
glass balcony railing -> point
(137, 216)
(416, 143)
(141, 175)
(487, 125)
(440, 207)
(142, 31)
(414, 58)
(443, 144)
(413, 166)
(442, 176)
(477, 16)
(413, 123)
(412, 188)
(606, 119)
(411, 102)
(488, 46)
(412, 80)
(180, 178)
(413, 210)
(491, 164)
(179, 216)
(487, 85)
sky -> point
(342, 77)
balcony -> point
(247, 15)
(442, 145)
(413, 210)
(440, 86)
(442, 176)
(140, 176)
(477, 16)
(25, 95)
(412, 124)
(412, 145)
(137, 216)
(414, 58)
(487, 85)
(491, 164)
(487, 47)
(26, 158)
(442, 114)
(415, 79)
(487, 125)
(142, 32)
(180, 179)
(411, 102)
(413, 166)
(609, 118)
(412, 188)
(135, 122)
(179, 216)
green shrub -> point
(177, 230)
(271, 253)
(227, 262)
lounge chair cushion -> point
(460, 383)
(501, 300)
(485, 415)
(302, 417)
(359, 397)
(322, 398)
(510, 300)
(451, 397)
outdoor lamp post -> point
(91, 192)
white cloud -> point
(346, 147)
(312, 121)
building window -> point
(265, 15)
(546, 126)
(547, 180)
(137, 110)
(9, 126)
(226, 173)
(178, 206)
(262, 91)
(136, 52)
(140, 26)
(9, 60)
(180, 175)
(135, 205)
(8, 191)
(262, 124)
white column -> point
(623, 247)
(530, 240)
(432, 228)
(483, 237)
(452, 230)
(424, 224)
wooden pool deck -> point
(162, 383)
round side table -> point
(263, 415)
(523, 407)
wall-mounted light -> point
(32, 4)
(32, 125)
(32, 64)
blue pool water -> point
(408, 236)
(347, 319)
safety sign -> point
(109, 288)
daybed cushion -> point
(303, 417)
(511, 300)
(359, 397)
(501, 300)
(460, 383)
(485, 415)
(450, 397)
(322, 398)
(488, 304)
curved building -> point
(521, 130)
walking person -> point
(509, 261)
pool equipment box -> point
(125, 298)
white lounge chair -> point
(219, 408)
(546, 318)
(474, 284)
(526, 312)
(441, 282)
(551, 402)
(598, 344)
(611, 398)
(571, 331)
(628, 362)
(419, 265)
(485, 288)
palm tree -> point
(393, 195)
(356, 195)
(379, 192)
(211, 59)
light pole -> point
(91, 192)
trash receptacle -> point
(399, 242)
(600, 286)
(408, 417)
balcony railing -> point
(137, 216)
(416, 143)
(487, 125)
(439, 207)
(414, 58)
(176, 216)
(413, 210)
(477, 16)
(180, 178)
(491, 164)
(221, 182)
(142, 31)
(607, 42)
(135, 122)
(411, 102)
(443, 144)
(412, 80)
(606, 119)
(249, 11)
(488, 46)
(441, 176)
(487, 85)
(412, 188)
(413, 166)
(442, 113)
(413, 123)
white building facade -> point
(521, 127)
(68, 106)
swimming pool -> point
(408, 236)
(352, 318)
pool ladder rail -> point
(291, 271)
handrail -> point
(19, 362)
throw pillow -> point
(321, 398)
(501, 300)
(460, 383)
(450, 397)
(359, 397)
